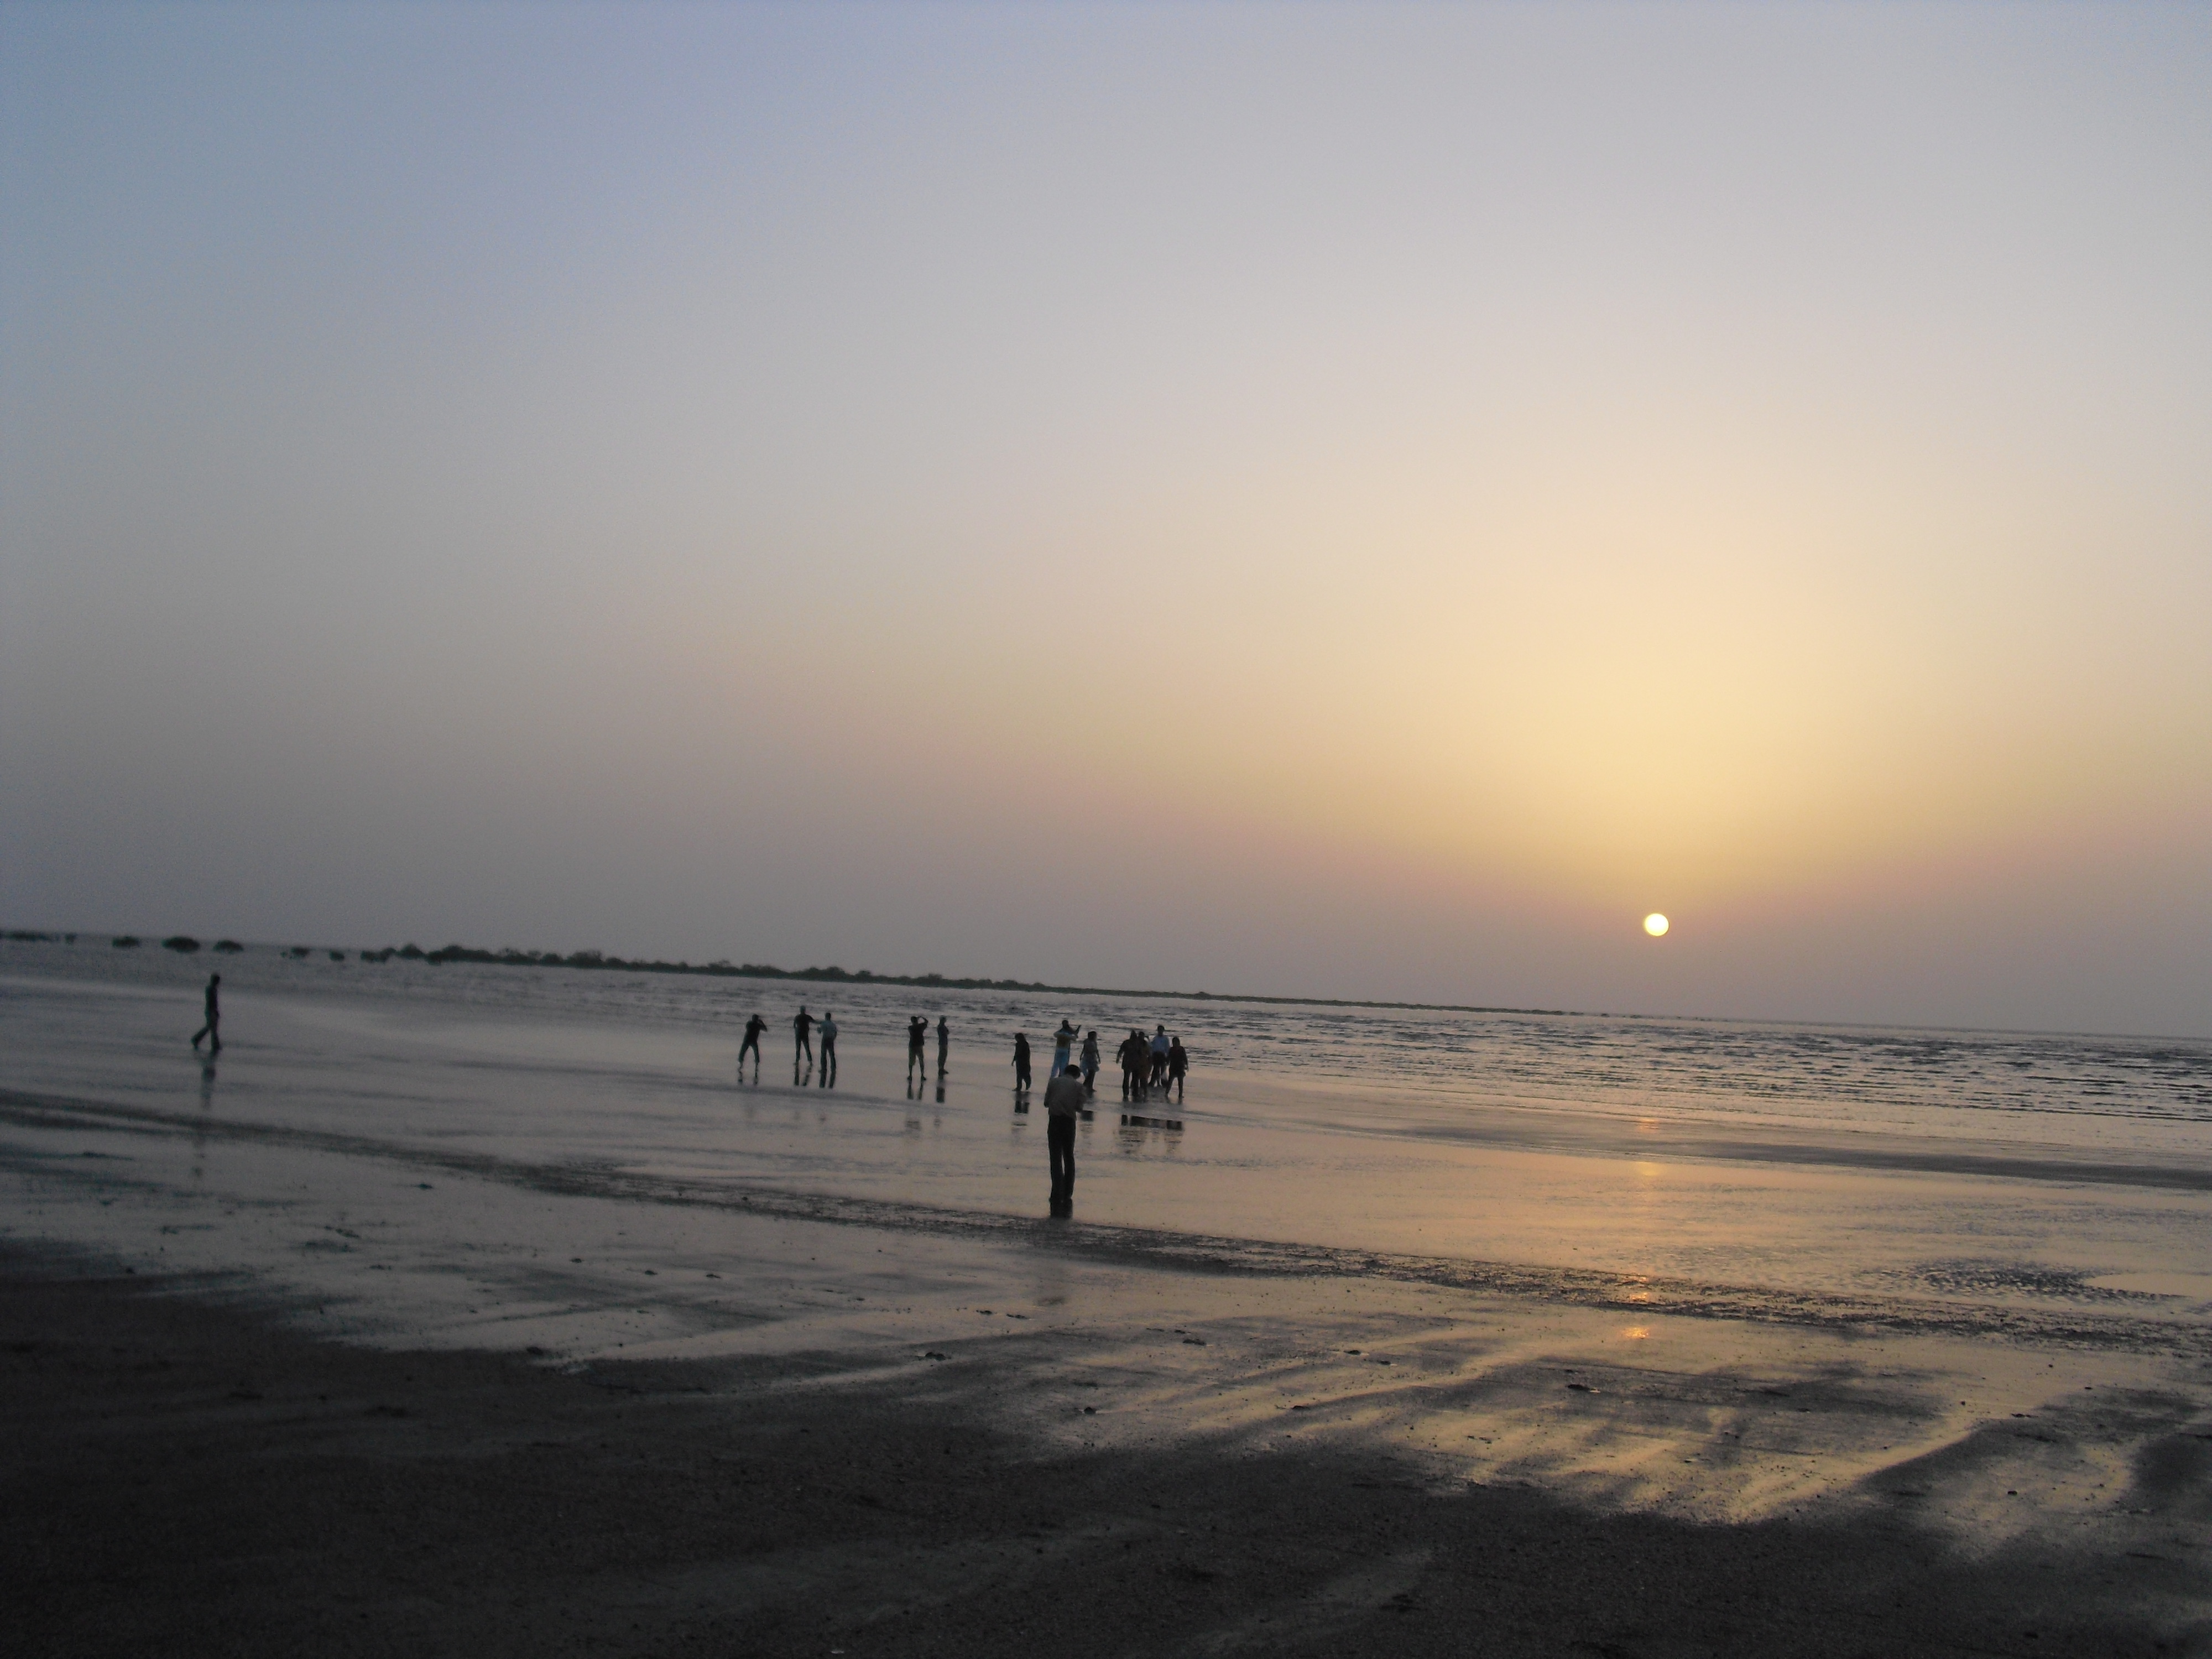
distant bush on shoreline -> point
(510, 957)
(183, 943)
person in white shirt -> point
(1063, 1105)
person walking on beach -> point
(1021, 1062)
(211, 1031)
(754, 1027)
(1159, 1056)
(1062, 1040)
(1063, 1105)
(1178, 1063)
(829, 1048)
(917, 1031)
(1091, 1063)
(802, 1032)
(944, 1044)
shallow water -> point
(1938, 1180)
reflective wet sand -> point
(1619, 1318)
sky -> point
(1341, 501)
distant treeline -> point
(834, 976)
(512, 958)
(725, 969)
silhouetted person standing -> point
(1021, 1062)
(1159, 1056)
(754, 1028)
(802, 1032)
(828, 1049)
(1091, 1063)
(1063, 1105)
(917, 1033)
(1178, 1063)
(211, 1031)
(944, 1044)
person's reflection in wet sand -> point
(940, 1088)
(200, 1124)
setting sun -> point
(1654, 924)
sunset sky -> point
(1337, 501)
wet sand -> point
(278, 1396)
(194, 1476)
(397, 1333)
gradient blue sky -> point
(1326, 500)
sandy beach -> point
(395, 1330)
(197, 1475)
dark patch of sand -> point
(186, 1478)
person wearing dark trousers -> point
(1021, 1062)
(754, 1029)
(802, 1031)
(944, 1044)
(828, 1049)
(1178, 1063)
(211, 1030)
(1063, 1105)
(1091, 1063)
(917, 1033)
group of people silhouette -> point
(806, 1030)
(1159, 1061)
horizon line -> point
(508, 956)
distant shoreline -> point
(831, 976)
(835, 976)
